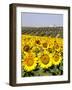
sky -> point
(41, 20)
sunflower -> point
(45, 60)
(26, 43)
(50, 51)
(58, 43)
(37, 40)
(44, 43)
(57, 58)
(29, 63)
(36, 50)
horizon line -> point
(41, 26)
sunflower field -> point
(41, 55)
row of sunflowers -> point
(41, 55)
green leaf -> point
(61, 67)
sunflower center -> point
(37, 42)
(45, 59)
(29, 61)
(26, 48)
(56, 58)
(45, 45)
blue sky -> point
(41, 20)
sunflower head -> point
(29, 60)
(57, 58)
(37, 42)
(45, 60)
(56, 46)
(58, 43)
(29, 63)
(26, 48)
(45, 45)
(36, 50)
